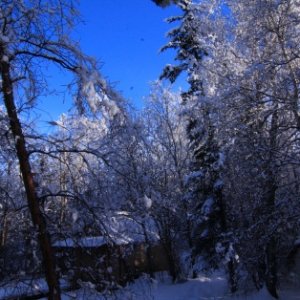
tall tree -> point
(192, 41)
(33, 34)
(251, 77)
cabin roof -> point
(120, 229)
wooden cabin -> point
(93, 259)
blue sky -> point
(126, 37)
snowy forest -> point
(201, 184)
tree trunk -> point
(271, 248)
(4, 232)
(28, 180)
(271, 276)
(148, 251)
(232, 276)
(223, 221)
(271, 187)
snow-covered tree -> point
(32, 35)
(252, 76)
(167, 146)
(194, 41)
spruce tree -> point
(204, 184)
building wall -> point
(115, 264)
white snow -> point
(4, 38)
(5, 58)
(123, 228)
(193, 175)
(17, 138)
(147, 202)
(207, 206)
(75, 216)
(83, 242)
(202, 288)
(17, 288)
(94, 90)
(120, 229)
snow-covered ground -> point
(17, 289)
(213, 287)
(197, 289)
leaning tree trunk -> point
(28, 180)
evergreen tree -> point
(204, 184)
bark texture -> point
(28, 180)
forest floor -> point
(203, 288)
(213, 287)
